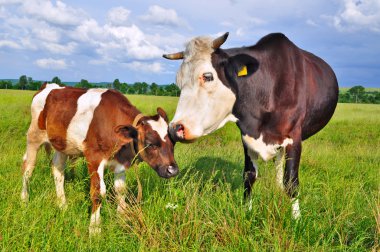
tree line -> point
(358, 94)
(27, 83)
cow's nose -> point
(176, 131)
(172, 170)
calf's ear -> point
(162, 113)
(126, 133)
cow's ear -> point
(126, 133)
(162, 113)
(242, 65)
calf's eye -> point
(208, 77)
(152, 147)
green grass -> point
(340, 193)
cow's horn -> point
(173, 56)
(219, 41)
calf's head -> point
(152, 142)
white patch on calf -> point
(59, 177)
(39, 100)
(266, 151)
(101, 178)
(79, 125)
(160, 126)
(95, 222)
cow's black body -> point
(287, 93)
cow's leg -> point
(250, 173)
(58, 168)
(120, 187)
(96, 169)
(35, 140)
(280, 162)
(293, 155)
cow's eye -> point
(208, 77)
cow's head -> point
(206, 102)
(152, 142)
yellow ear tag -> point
(243, 71)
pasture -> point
(202, 208)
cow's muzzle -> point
(168, 171)
(177, 132)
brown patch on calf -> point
(60, 108)
(101, 137)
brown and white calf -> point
(104, 127)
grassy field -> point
(340, 193)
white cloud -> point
(65, 49)
(139, 66)
(4, 2)
(164, 17)
(311, 22)
(49, 63)
(358, 15)
(10, 44)
(118, 16)
(117, 43)
(59, 14)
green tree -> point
(30, 83)
(5, 84)
(123, 87)
(35, 85)
(154, 89)
(131, 89)
(116, 84)
(357, 93)
(140, 87)
(56, 80)
(84, 84)
(172, 90)
(23, 82)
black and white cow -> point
(277, 93)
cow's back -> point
(296, 81)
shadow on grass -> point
(219, 170)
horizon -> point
(160, 84)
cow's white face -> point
(205, 103)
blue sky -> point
(103, 40)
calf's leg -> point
(35, 139)
(96, 169)
(58, 168)
(120, 187)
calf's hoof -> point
(94, 230)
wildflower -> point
(171, 206)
